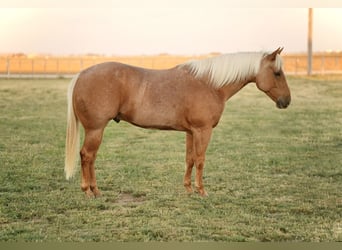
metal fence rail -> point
(49, 66)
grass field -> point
(272, 175)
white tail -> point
(72, 142)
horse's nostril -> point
(283, 102)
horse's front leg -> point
(201, 138)
(189, 162)
(88, 153)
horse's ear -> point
(280, 49)
(274, 54)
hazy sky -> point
(154, 29)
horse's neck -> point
(228, 89)
(231, 89)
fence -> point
(61, 66)
(322, 63)
(49, 66)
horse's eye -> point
(278, 73)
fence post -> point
(57, 64)
(81, 64)
(309, 68)
(45, 61)
(8, 67)
(322, 64)
(32, 67)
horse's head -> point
(271, 79)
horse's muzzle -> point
(283, 102)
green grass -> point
(271, 175)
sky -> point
(150, 29)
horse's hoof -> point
(189, 190)
(89, 194)
(203, 193)
(97, 193)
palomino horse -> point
(189, 97)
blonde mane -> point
(229, 68)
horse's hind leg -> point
(92, 141)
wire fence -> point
(50, 66)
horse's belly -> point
(155, 119)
